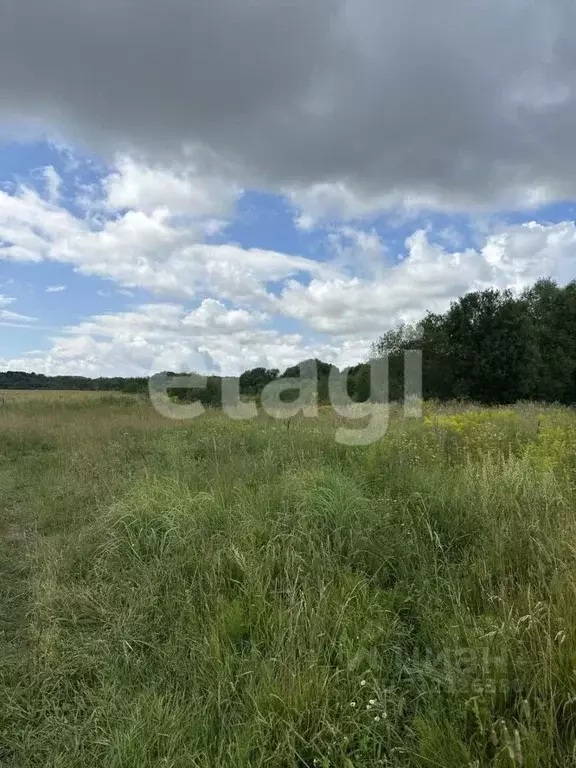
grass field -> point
(220, 594)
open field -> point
(13, 395)
(220, 594)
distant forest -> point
(22, 380)
(490, 347)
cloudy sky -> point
(213, 185)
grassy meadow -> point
(221, 594)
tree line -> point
(494, 347)
(490, 346)
(23, 380)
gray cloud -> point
(448, 104)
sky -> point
(219, 186)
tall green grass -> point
(221, 594)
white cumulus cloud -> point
(165, 336)
(429, 277)
(183, 191)
(141, 249)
